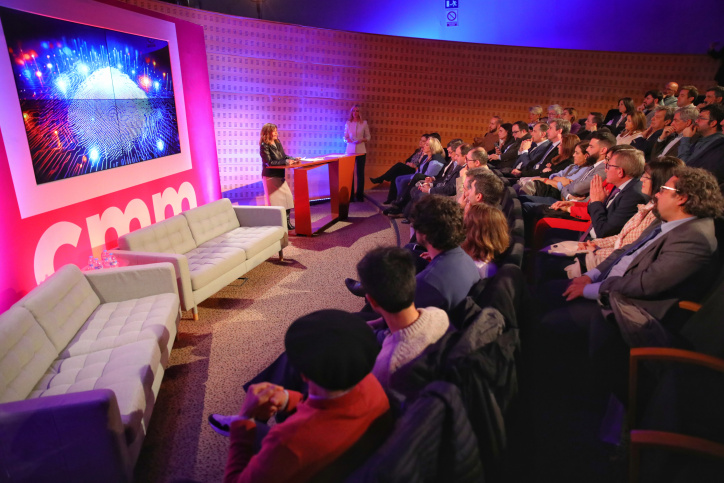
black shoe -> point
(376, 180)
(354, 287)
(393, 211)
(386, 211)
(387, 202)
(290, 227)
(360, 199)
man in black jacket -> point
(708, 151)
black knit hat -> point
(333, 348)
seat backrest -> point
(26, 353)
(167, 236)
(211, 220)
(62, 304)
(432, 441)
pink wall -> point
(34, 246)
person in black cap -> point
(335, 352)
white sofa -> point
(82, 357)
(209, 246)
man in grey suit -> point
(667, 143)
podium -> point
(341, 169)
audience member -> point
(481, 186)
(617, 118)
(534, 116)
(714, 95)
(505, 141)
(571, 115)
(557, 129)
(554, 112)
(708, 151)
(530, 155)
(552, 185)
(667, 144)
(491, 137)
(430, 166)
(634, 127)
(592, 123)
(451, 273)
(486, 237)
(335, 352)
(687, 96)
(508, 159)
(663, 116)
(670, 90)
(476, 158)
(558, 164)
(652, 100)
(408, 167)
(387, 276)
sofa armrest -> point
(261, 216)
(133, 282)
(69, 437)
(180, 264)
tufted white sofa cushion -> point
(126, 370)
(211, 220)
(25, 353)
(115, 324)
(63, 305)
(167, 236)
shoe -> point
(354, 287)
(405, 221)
(222, 423)
(395, 214)
(387, 202)
(360, 199)
(290, 227)
(387, 211)
(375, 180)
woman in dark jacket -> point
(272, 153)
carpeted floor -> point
(240, 331)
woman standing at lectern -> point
(356, 133)
(272, 153)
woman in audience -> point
(656, 174)
(487, 236)
(625, 108)
(356, 134)
(570, 114)
(505, 141)
(635, 126)
(398, 169)
(276, 190)
(552, 185)
(431, 166)
(561, 161)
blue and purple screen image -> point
(92, 99)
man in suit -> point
(610, 211)
(651, 102)
(530, 150)
(557, 129)
(708, 150)
(663, 116)
(667, 144)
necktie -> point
(641, 241)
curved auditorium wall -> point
(305, 79)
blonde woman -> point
(276, 190)
(356, 134)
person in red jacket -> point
(335, 351)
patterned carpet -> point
(240, 331)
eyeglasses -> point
(609, 165)
(667, 188)
(703, 119)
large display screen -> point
(91, 99)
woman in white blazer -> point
(356, 134)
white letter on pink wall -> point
(171, 197)
(113, 217)
(57, 235)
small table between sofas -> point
(341, 168)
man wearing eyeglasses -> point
(668, 142)
(708, 151)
